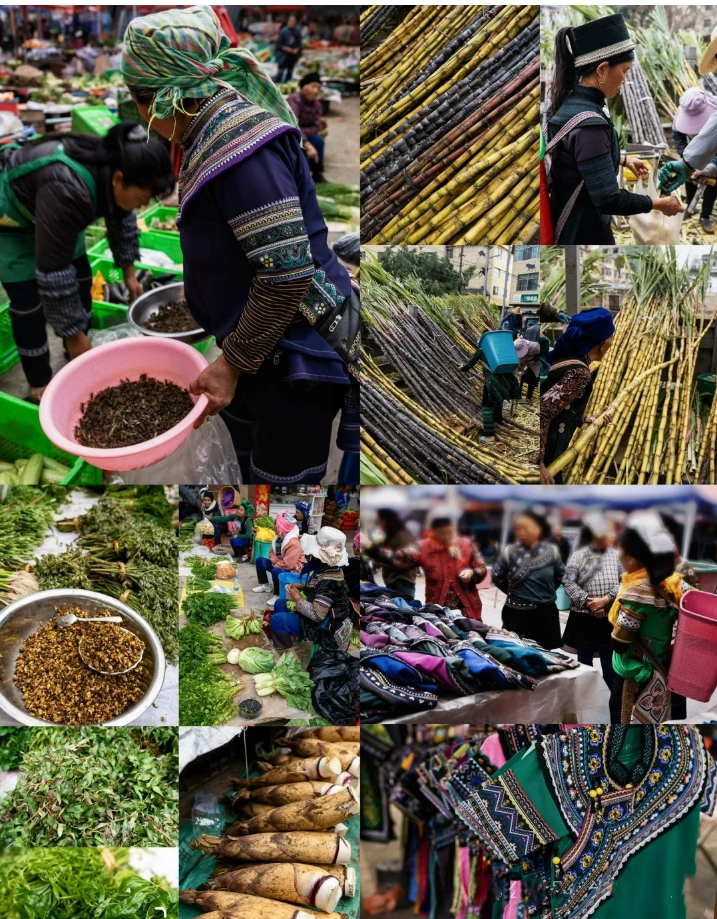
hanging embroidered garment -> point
(592, 799)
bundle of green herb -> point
(13, 743)
(290, 680)
(148, 501)
(186, 533)
(206, 693)
(91, 786)
(22, 529)
(194, 583)
(207, 608)
(80, 883)
(202, 568)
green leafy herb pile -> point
(92, 786)
(206, 693)
(186, 533)
(290, 680)
(81, 883)
(201, 568)
(207, 608)
(124, 556)
(13, 743)
(195, 583)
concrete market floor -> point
(342, 165)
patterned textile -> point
(60, 297)
(123, 239)
(327, 596)
(274, 240)
(556, 398)
(515, 565)
(185, 54)
(591, 573)
(225, 131)
(666, 783)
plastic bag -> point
(348, 247)
(335, 695)
(654, 228)
(207, 455)
(99, 337)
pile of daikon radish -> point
(292, 831)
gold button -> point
(601, 791)
(593, 793)
(556, 860)
(629, 785)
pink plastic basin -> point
(693, 669)
(108, 365)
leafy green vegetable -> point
(13, 743)
(206, 693)
(256, 660)
(201, 568)
(195, 583)
(207, 608)
(290, 680)
(93, 786)
(312, 722)
(267, 522)
(80, 883)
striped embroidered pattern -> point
(274, 240)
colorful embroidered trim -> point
(274, 240)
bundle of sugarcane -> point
(445, 121)
(707, 458)
(640, 108)
(667, 71)
(375, 20)
(645, 384)
(429, 434)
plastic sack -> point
(348, 247)
(207, 455)
(335, 695)
(654, 228)
(99, 337)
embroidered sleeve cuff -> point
(61, 304)
(274, 240)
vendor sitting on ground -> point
(51, 190)
(306, 106)
(499, 387)
(323, 612)
(452, 565)
(303, 517)
(240, 538)
(285, 554)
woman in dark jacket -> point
(51, 190)
(591, 66)
(565, 393)
(401, 581)
(258, 271)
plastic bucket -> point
(499, 351)
(107, 366)
(287, 577)
(693, 670)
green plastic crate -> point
(21, 435)
(159, 212)
(94, 234)
(8, 350)
(93, 119)
(105, 315)
(101, 259)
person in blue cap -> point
(303, 516)
(565, 393)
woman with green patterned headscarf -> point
(258, 271)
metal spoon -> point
(71, 619)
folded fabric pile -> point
(411, 654)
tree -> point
(436, 275)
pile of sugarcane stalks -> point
(709, 81)
(421, 415)
(376, 20)
(707, 458)
(646, 385)
(449, 126)
(640, 108)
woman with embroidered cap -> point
(303, 517)
(51, 190)
(643, 618)
(258, 272)
(285, 554)
(591, 66)
(529, 572)
(323, 612)
(565, 393)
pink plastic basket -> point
(107, 365)
(693, 671)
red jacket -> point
(442, 570)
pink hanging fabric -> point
(493, 750)
(464, 867)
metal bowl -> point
(148, 304)
(25, 616)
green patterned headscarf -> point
(184, 54)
